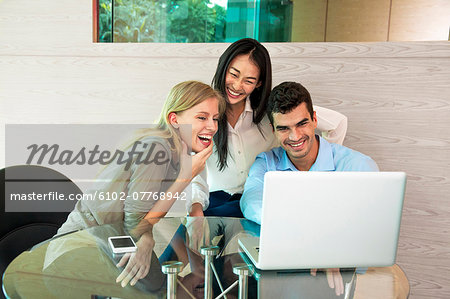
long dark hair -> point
(258, 98)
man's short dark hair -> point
(286, 96)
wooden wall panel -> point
(357, 20)
(67, 88)
(416, 20)
(396, 96)
(49, 24)
(366, 20)
(308, 21)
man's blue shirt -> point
(331, 157)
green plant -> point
(196, 24)
(137, 20)
(163, 21)
(104, 20)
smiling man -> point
(291, 114)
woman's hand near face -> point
(199, 160)
(191, 166)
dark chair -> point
(19, 231)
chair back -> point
(19, 231)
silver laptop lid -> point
(330, 219)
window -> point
(192, 21)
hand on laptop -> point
(334, 279)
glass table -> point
(81, 265)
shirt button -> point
(242, 172)
(239, 152)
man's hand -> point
(138, 262)
(334, 279)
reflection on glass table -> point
(82, 265)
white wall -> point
(396, 95)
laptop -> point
(328, 220)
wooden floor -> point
(396, 96)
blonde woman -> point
(177, 148)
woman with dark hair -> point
(244, 77)
(249, 54)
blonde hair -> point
(182, 97)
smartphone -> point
(122, 244)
